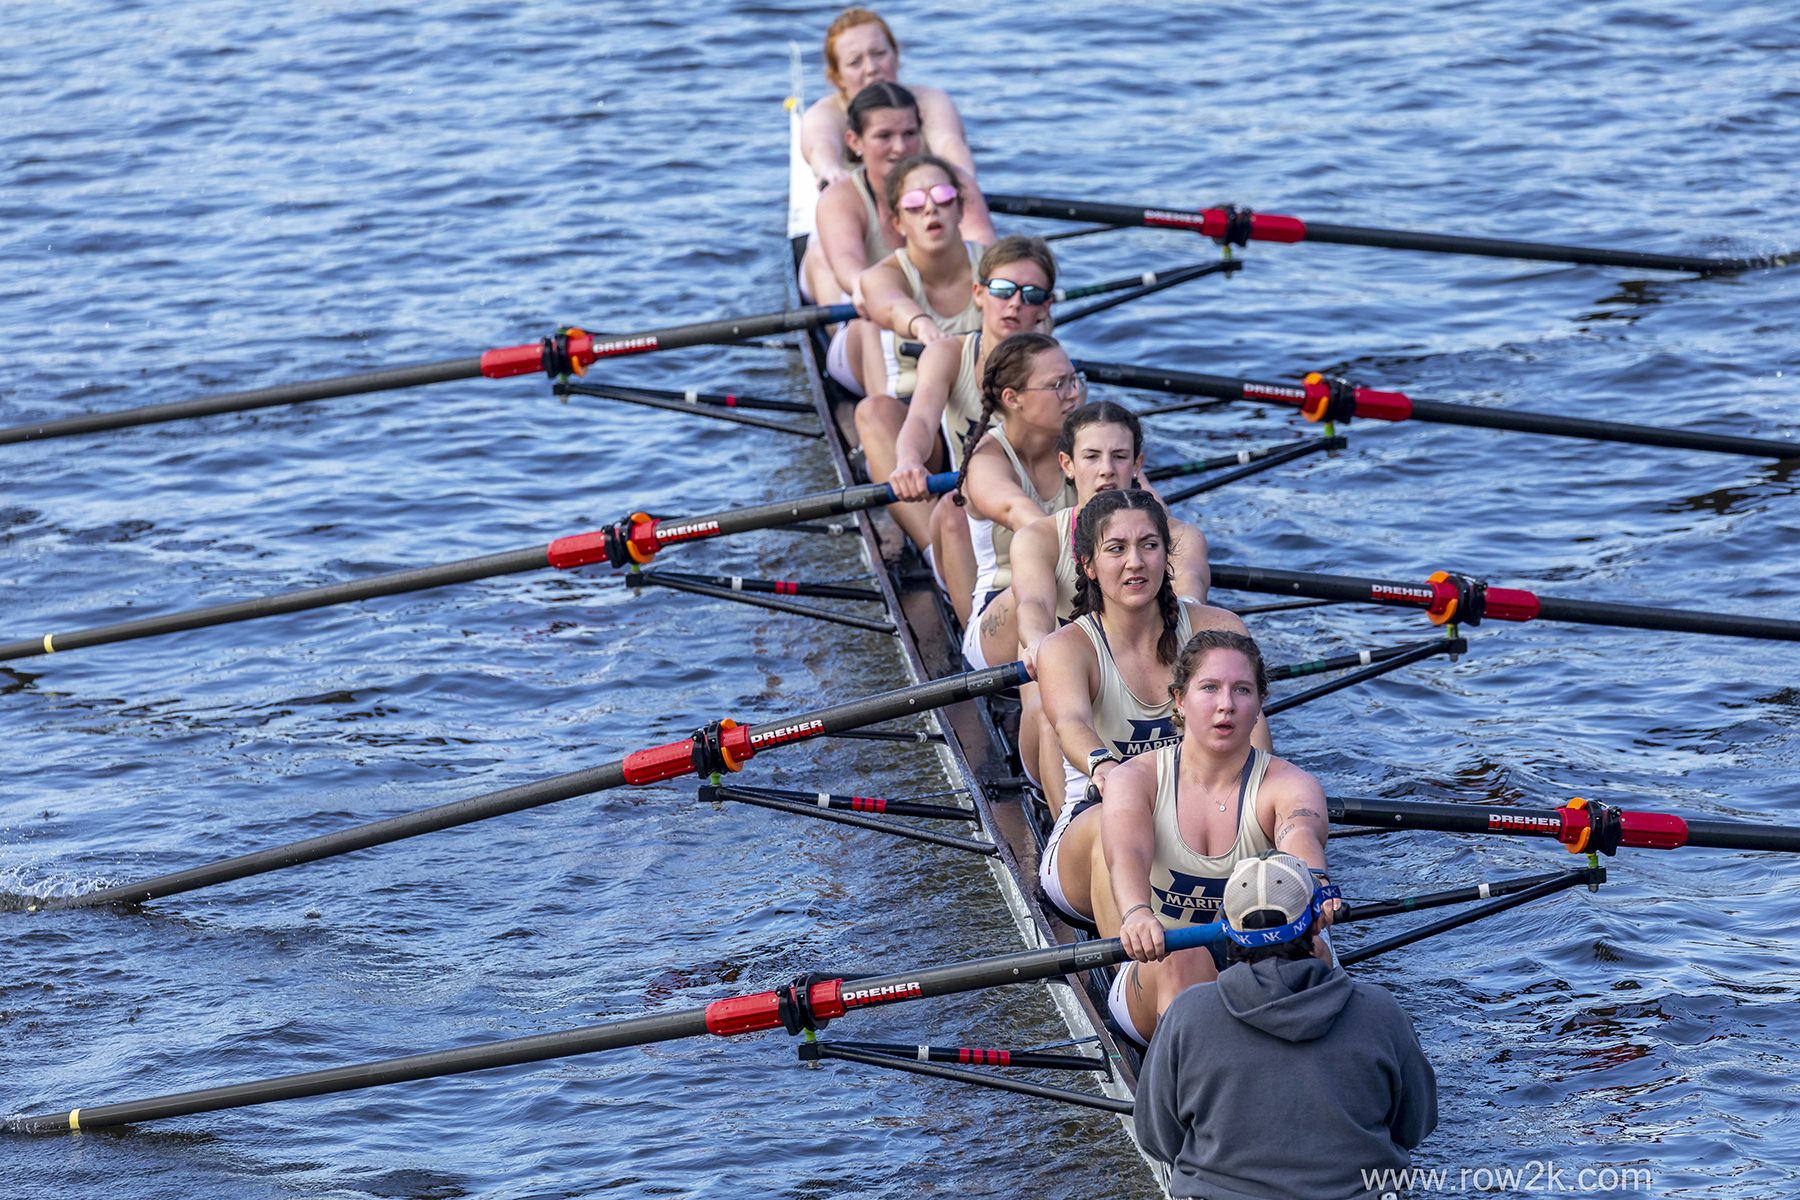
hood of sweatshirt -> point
(1296, 1001)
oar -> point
(568, 353)
(1448, 598)
(676, 402)
(1239, 226)
(1335, 400)
(633, 540)
(807, 1003)
(1147, 284)
(1584, 826)
(723, 746)
(1263, 461)
(1200, 466)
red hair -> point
(847, 20)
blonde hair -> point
(847, 20)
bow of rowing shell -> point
(974, 749)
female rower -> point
(860, 49)
(924, 291)
(855, 223)
(1124, 643)
(1177, 820)
(1010, 474)
(1101, 449)
(901, 440)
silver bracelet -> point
(1131, 910)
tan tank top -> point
(875, 243)
(1187, 888)
(966, 321)
(993, 541)
(1123, 722)
(963, 407)
(1065, 566)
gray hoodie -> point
(1283, 1081)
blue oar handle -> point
(937, 485)
(838, 313)
(1190, 936)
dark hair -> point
(1088, 528)
(1008, 366)
(1301, 947)
(1016, 247)
(1098, 412)
(880, 94)
(896, 180)
(1213, 639)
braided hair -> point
(1009, 365)
(1091, 525)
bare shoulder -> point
(1133, 782)
(1289, 787)
(931, 98)
(1209, 616)
(945, 353)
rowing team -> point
(1052, 550)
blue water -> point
(213, 197)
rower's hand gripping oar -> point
(1334, 401)
(807, 1004)
(721, 747)
(1232, 225)
(1450, 598)
(569, 352)
(635, 540)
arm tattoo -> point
(1297, 813)
(990, 624)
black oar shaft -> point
(495, 364)
(1363, 658)
(648, 536)
(711, 413)
(1265, 462)
(1441, 243)
(646, 766)
(361, 837)
(1669, 620)
(1536, 892)
(1502, 603)
(973, 1056)
(1470, 415)
(723, 1018)
(1392, 663)
(512, 562)
(1461, 895)
(936, 1070)
(291, 393)
(613, 1035)
(1395, 406)
(1156, 283)
(677, 584)
(1570, 825)
(1216, 222)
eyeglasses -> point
(1068, 385)
(940, 193)
(1006, 289)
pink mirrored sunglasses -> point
(941, 194)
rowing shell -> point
(975, 747)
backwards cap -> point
(1278, 890)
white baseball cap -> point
(1274, 882)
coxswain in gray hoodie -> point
(1284, 1080)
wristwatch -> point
(1096, 757)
